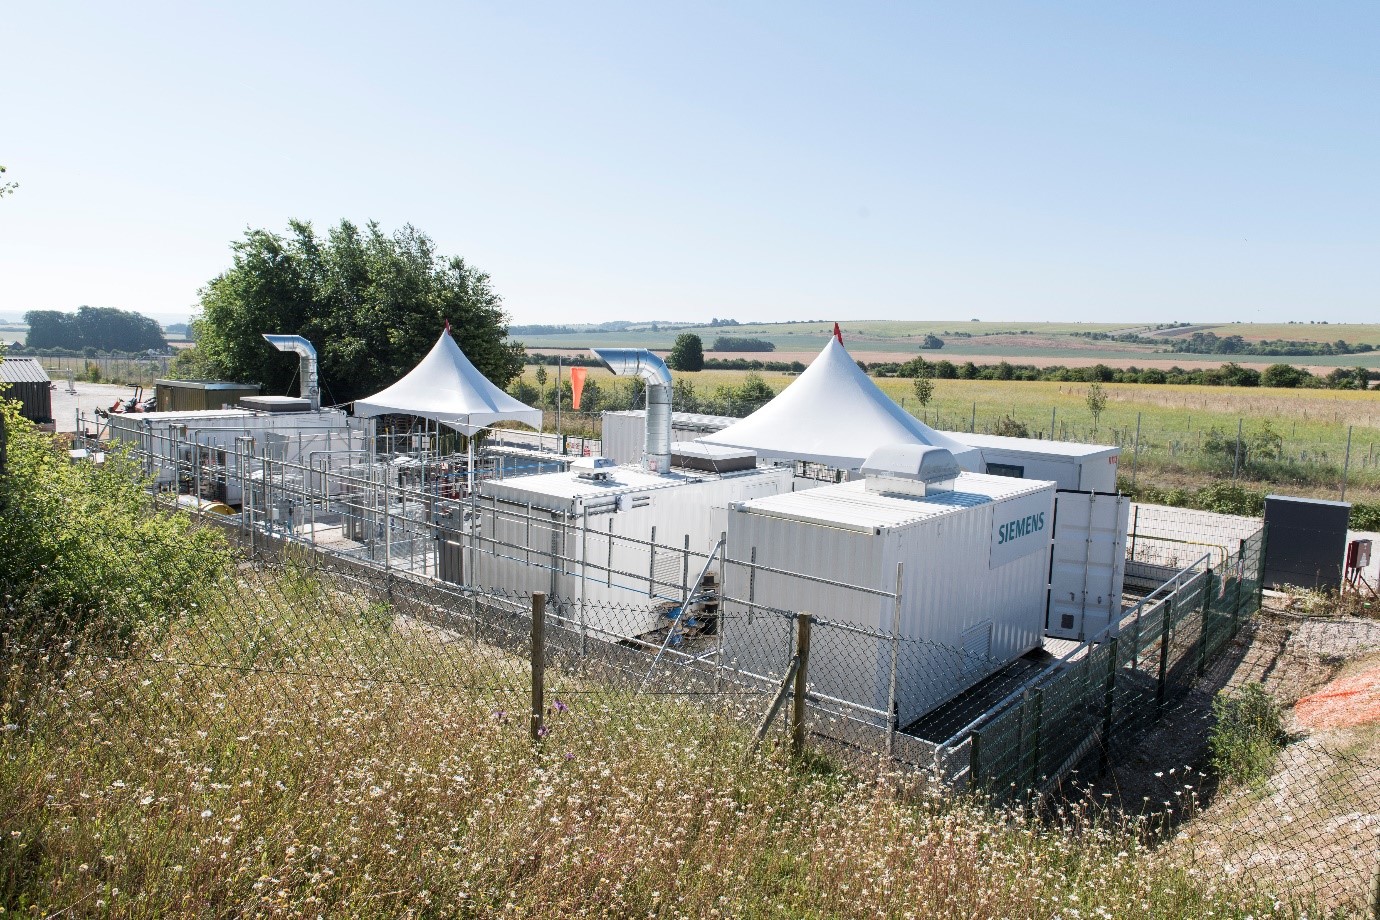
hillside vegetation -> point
(257, 740)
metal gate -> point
(1088, 563)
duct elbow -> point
(306, 352)
(635, 362)
(638, 362)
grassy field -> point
(1175, 424)
(1036, 343)
(140, 786)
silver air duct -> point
(311, 388)
(639, 362)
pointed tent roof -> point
(834, 414)
(447, 388)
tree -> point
(372, 304)
(6, 188)
(1097, 401)
(541, 376)
(687, 354)
(932, 341)
(96, 328)
(1284, 375)
(924, 387)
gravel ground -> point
(89, 397)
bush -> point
(79, 544)
(1009, 427)
(1365, 516)
(1247, 733)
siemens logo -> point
(1012, 530)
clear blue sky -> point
(1041, 161)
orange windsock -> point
(577, 385)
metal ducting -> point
(311, 387)
(639, 362)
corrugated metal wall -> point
(948, 590)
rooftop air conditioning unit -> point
(910, 469)
(596, 468)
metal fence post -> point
(1205, 614)
(1160, 683)
(1039, 727)
(802, 651)
(538, 655)
(1109, 701)
(1135, 452)
(1236, 464)
(1346, 464)
(1236, 594)
(892, 716)
(974, 760)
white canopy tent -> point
(445, 387)
(834, 414)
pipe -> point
(311, 387)
(639, 362)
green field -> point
(981, 342)
(1177, 425)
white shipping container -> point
(1077, 467)
(624, 433)
(618, 545)
(1088, 568)
(291, 436)
(972, 595)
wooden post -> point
(538, 655)
(802, 652)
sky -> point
(761, 161)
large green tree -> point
(372, 303)
(687, 354)
(102, 328)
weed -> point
(1247, 733)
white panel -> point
(947, 590)
(1020, 526)
(1098, 474)
(1089, 564)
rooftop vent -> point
(913, 470)
(711, 458)
(596, 468)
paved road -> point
(88, 398)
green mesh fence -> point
(1116, 685)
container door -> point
(1088, 563)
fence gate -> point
(1088, 563)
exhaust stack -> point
(639, 362)
(311, 388)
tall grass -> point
(273, 768)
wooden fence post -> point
(802, 652)
(538, 655)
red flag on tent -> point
(577, 385)
(838, 334)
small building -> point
(974, 557)
(25, 380)
(200, 395)
(1072, 466)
